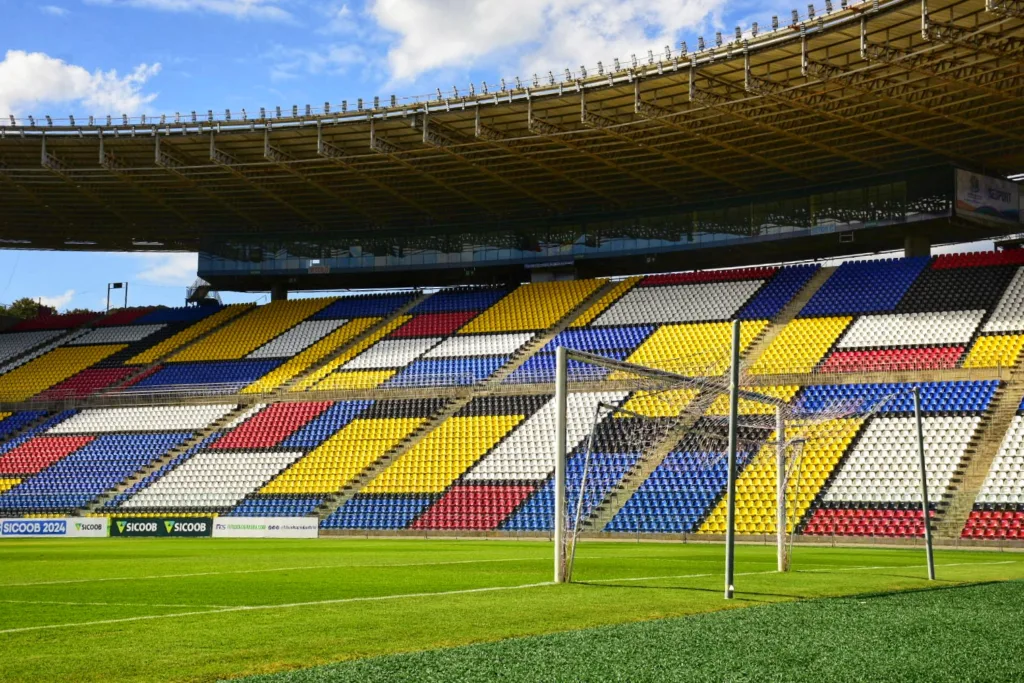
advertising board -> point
(266, 527)
(981, 195)
(161, 526)
(65, 527)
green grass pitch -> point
(206, 609)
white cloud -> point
(536, 35)
(28, 79)
(58, 302)
(54, 10)
(333, 59)
(239, 9)
(167, 269)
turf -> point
(203, 609)
(946, 634)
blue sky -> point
(99, 57)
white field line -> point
(799, 571)
(271, 569)
(254, 608)
(102, 604)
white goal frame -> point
(734, 392)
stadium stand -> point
(398, 460)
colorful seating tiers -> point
(479, 455)
(999, 508)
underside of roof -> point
(860, 92)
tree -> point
(24, 309)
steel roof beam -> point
(612, 128)
(706, 99)
(382, 146)
(898, 94)
(1009, 47)
(553, 132)
(56, 166)
(444, 139)
(173, 165)
(946, 70)
(285, 161)
(338, 156)
(678, 121)
(227, 161)
(497, 138)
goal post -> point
(718, 422)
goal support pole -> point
(781, 483)
(734, 409)
(924, 484)
(561, 410)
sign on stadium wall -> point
(161, 526)
(66, 527)
(981, 195)
(266, 527)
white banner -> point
(982, 195)
(67, 527)
(266, 527)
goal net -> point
(656, 461)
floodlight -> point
(796, 17)
(484, 87)
(618, 67)
(263, 113)
(753, 29)
(31, 121)
(309, 110)
(227, 114)
(193, 118)
(279, 111)
(455, 90)
(718, 39)
(49, 121)
(583, 71)
(143, 119)
(828, 6)
(163, 118)
(394, 101)
(775, 21)
(472, 90)
(209, 116)
(327, 108)
(71, 118)
(810, 11)
(503, 85)
(536, 81)
(519, 84)
(700, 44)
(360, 103)
(650, 56)
(633, 59)
(13, 122)
(110, 121)
(739, 34)
(682, 49)
(551, 78)
(668, 52)
(376, 102)
(568, 75)
(91, 121)
(295, 110)
(843, 4)
(344, 106)
(600, 69)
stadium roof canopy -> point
(852, 93)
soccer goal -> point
(693, 429)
